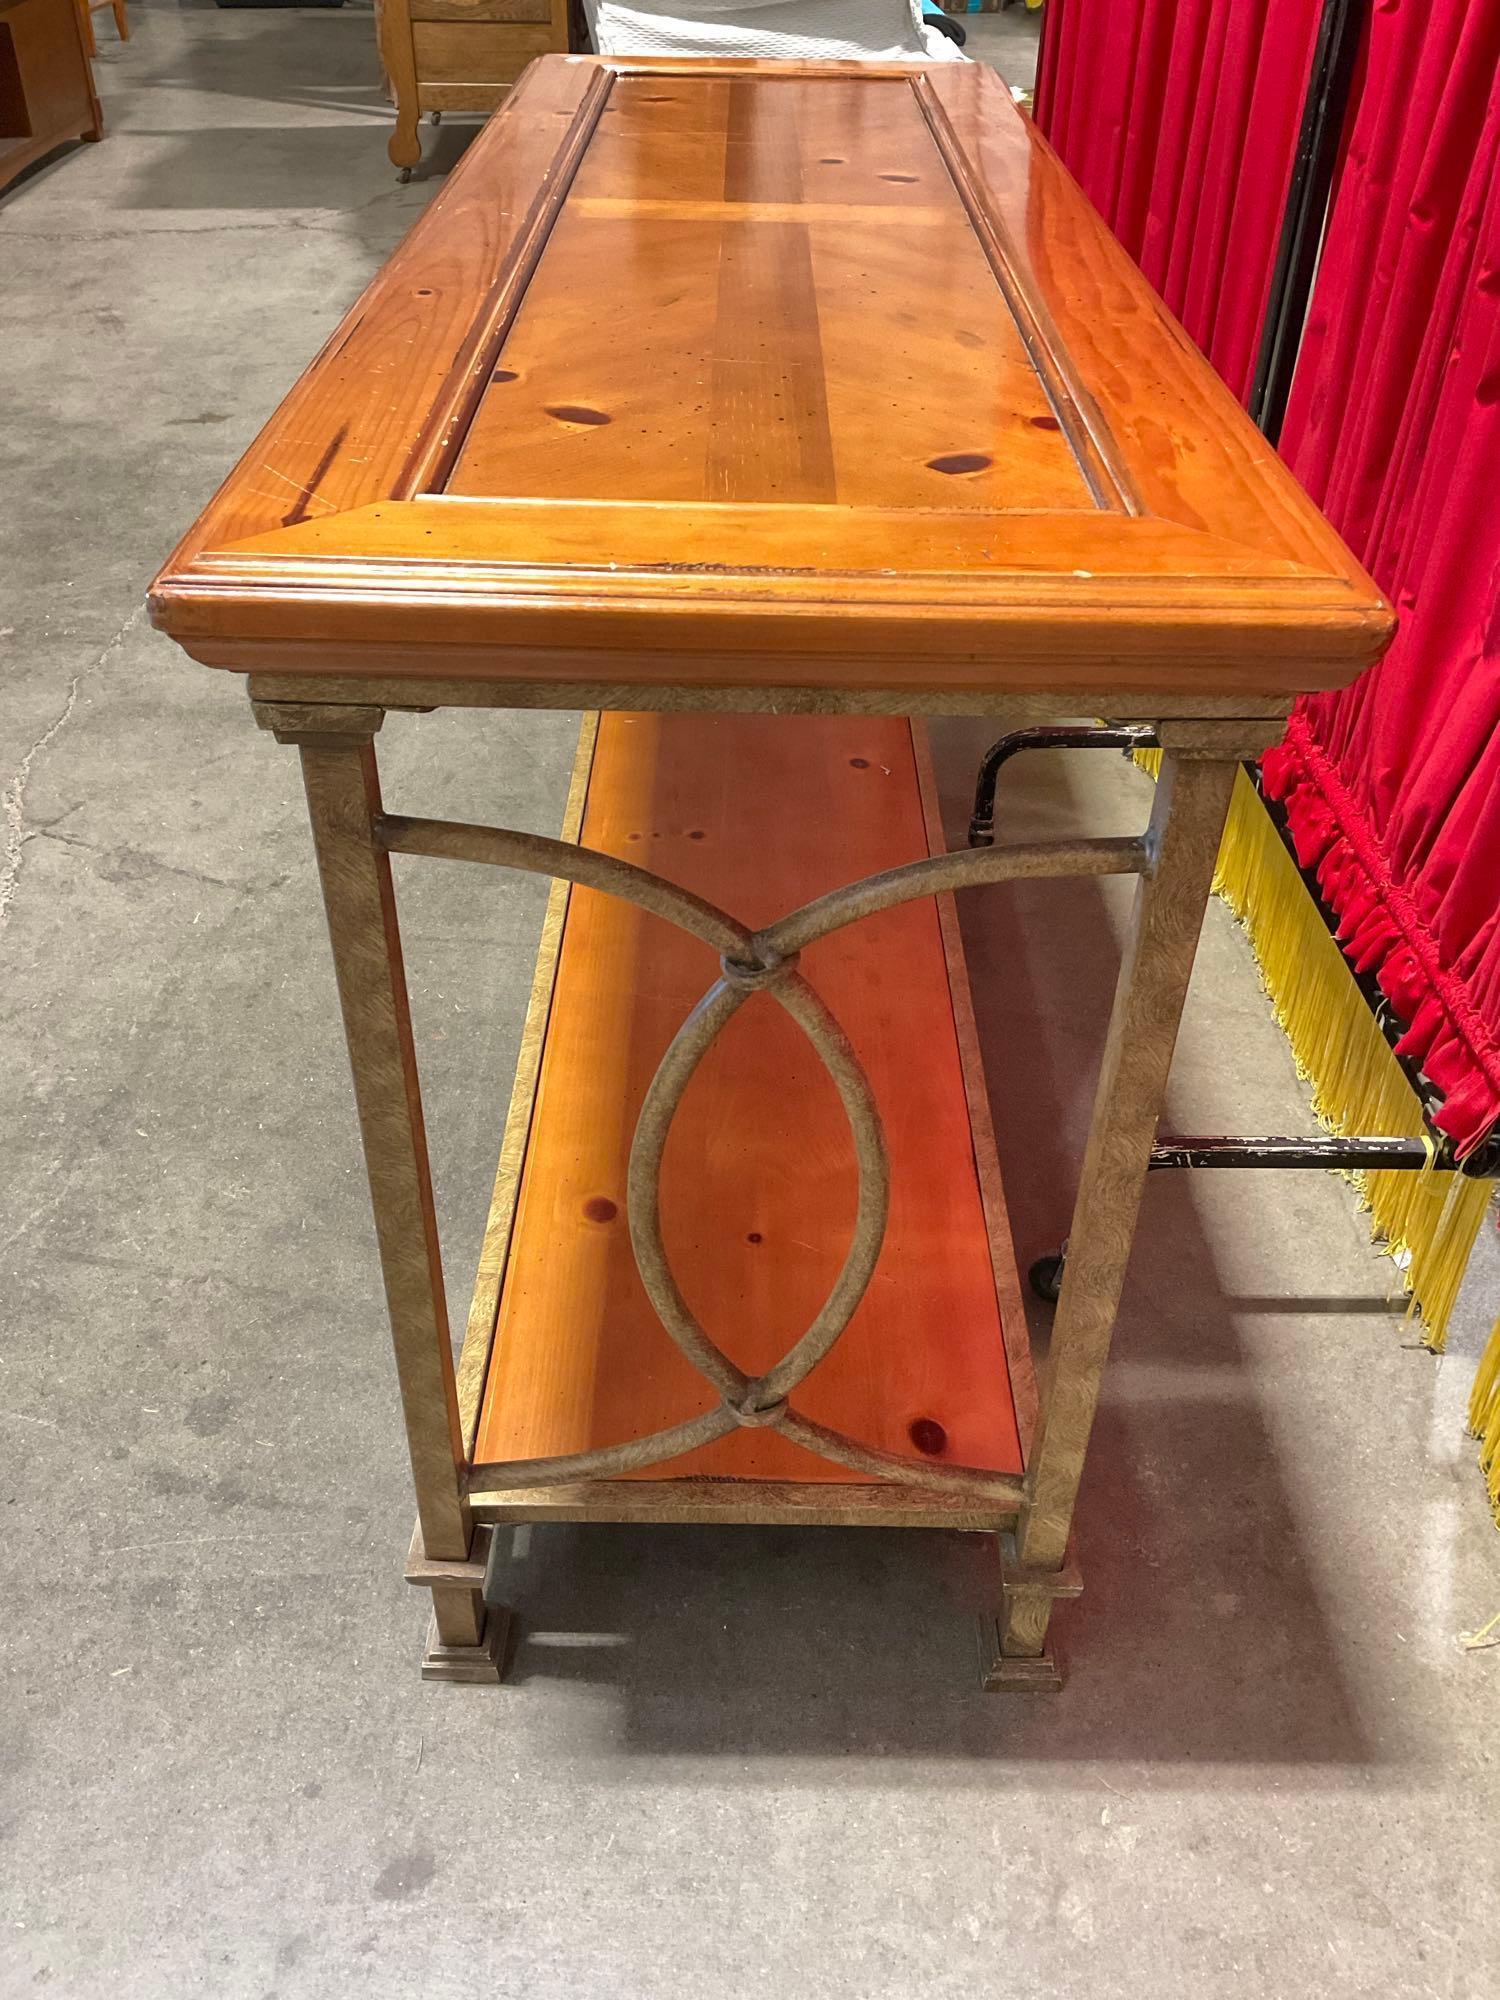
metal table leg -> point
(1186, 824)
(343, 798)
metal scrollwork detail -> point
(751, 963)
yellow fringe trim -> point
(1484, 1417)
(1427, 1222)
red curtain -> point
(1180, 120)
(1392, 787)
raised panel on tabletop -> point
(753, 293)
(658, 295)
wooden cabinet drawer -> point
(482, 10)
(477, 51)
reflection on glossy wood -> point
(759, 814)
(764, 384)
(686, 341)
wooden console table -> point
(760, 410)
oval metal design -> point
(756, 961)
(753, 1399)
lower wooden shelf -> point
(564, 1351)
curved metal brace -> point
(755, 961)
(896, 1466)
(643, 1188)
(963, 868)
(609, 1460)
(873, 1210)
(754, 1400)
(539, 854)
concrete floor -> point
(1007, 41)
(727, 1764)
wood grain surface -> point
(704, 359)
(760, 814)
(476, 52)
(848, 290)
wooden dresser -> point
(46, 84)
(459, 55)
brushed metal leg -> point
(1192, 801)
(343, 798)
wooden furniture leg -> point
(1192, 801)
(87, 10)
(343, 796)
(404, 147)
(466, 1640)
(398, 56)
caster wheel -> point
(436, 117)
(404, 176)
(1045, 1277)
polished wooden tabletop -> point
(753, 374)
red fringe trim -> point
(1382, 932)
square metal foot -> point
(482, 1664)
(999, 1675)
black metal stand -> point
(1302, 222)
(1126, 736)
(1328, 87)
(1379, 1154)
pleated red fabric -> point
(1180, 120)
(1392, 786)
